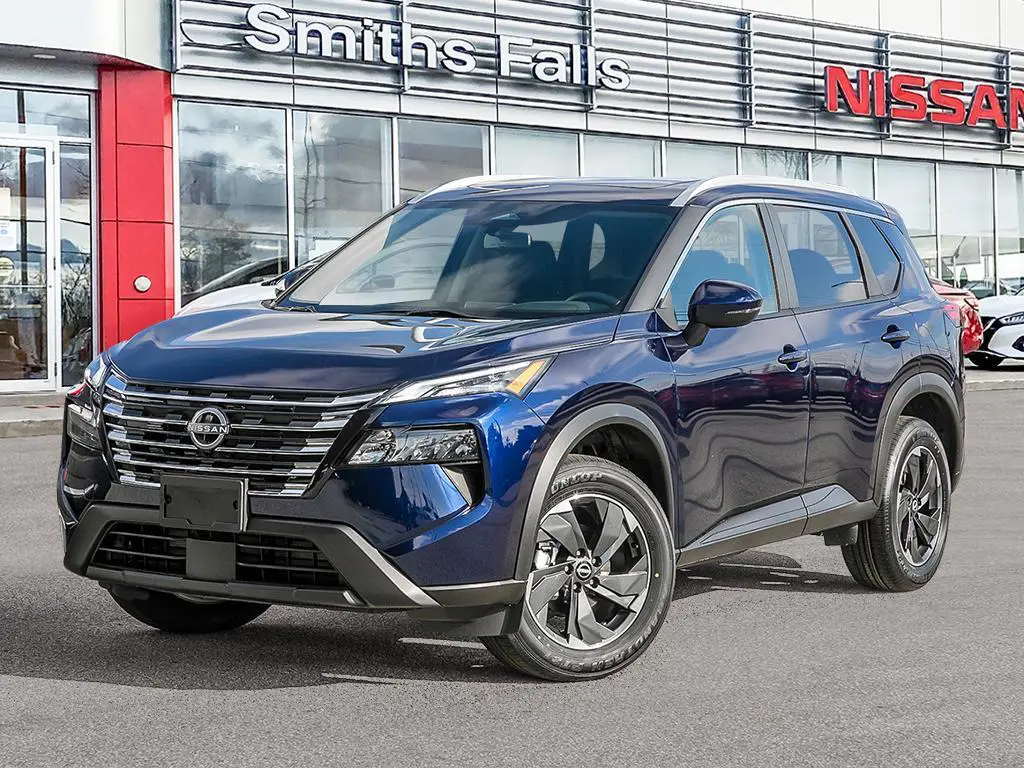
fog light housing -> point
(417, 446)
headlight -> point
(83, 417)
(1015, 319)
(417, 446)
(515, 378)
(83, 424)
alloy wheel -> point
(591, 572)
(920, 516)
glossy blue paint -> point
(261, 348)
(742, 419)
(743, 422)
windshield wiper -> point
(269, 304)
(424, 312)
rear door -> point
(743, 402)
(856, 337)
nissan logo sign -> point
(208, 428)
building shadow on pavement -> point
(71, 630)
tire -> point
(608, 503)
(986, 362)
(170, 613)
(900, 549)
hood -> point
(259, 348)
(999, 306)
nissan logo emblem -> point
(208, 428)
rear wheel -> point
(901, 547)
(986, 362)
(186, 615)
(602, 576)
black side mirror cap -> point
(720, 304)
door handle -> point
(895, 335)
(793, 357)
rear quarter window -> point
(880, 256)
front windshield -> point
(492, 258)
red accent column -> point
(136, 182)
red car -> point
(970, 317)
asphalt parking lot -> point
(773, 658)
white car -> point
(232, 297)
(1002, 318)
(245, 294)
(406, 272)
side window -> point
(913, 269)
(880, 255)
(826, 269)
(731, 246)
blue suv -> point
(514, 407)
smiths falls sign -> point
(272, 29)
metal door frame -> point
(54, 309)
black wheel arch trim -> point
(572, 432)
(897, 399)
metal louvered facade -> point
(695, 70)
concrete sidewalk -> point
(31, 415)
(34, 415)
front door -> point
(743, 394)
(29, 299)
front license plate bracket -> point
(204, 503)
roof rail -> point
(726, 181)
(467, 182)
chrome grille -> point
(277, 440)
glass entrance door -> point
(29, 306)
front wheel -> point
(901, 547)
(602, 577)
(186, 615)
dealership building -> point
(155, 150)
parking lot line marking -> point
(439, 641)
(360, 679)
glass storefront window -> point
(855, 173)
(67, 112)
(789, 164)
(433, 153)
(24, 305)
(536, 153)
(1010, 200)
(234, 217)
(966, 228)
(700, 161)
(76, 260)
(613, 156)
(342, 178)
(909, 186)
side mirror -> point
(720, 304)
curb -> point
(992, 386)
(31, 427)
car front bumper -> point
(368, 581)
(1005, 341)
